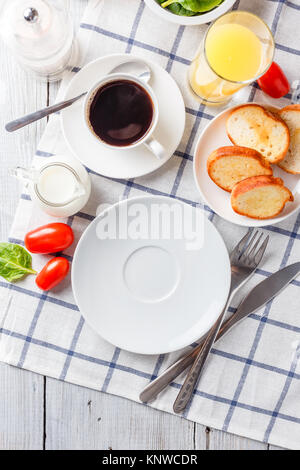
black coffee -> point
(121, 113)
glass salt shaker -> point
(40, 34)
(295, 89)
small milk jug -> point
(60, 187)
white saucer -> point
(212, 137)
(150, 295)
(135, 162)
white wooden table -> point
(38, 412)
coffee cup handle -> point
(155, 147)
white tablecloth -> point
(251, 385)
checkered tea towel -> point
(251, 386)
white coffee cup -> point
(147, 139)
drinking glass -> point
(237, 49)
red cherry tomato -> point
(53, 273)
(274, 82)
(49, 238)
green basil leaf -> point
(189, 7)
(178, 9)
(15, 262)
(200, 6)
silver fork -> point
(244, 260)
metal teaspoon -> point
(136, 68)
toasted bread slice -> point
(227, 166)
(260, 197)
(291, 116)
(251, 125)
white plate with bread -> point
(247, 164)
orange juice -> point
(235, 52)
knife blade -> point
(262, 293)
(257, 298)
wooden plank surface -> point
(21, 409)
(219, 440)
(21, 392)
(79, 418)
(38, 412)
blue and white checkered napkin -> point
(251, 386)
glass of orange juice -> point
(237, 49)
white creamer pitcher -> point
(60, 187)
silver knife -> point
(257, 298)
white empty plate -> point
(214, 136)
(133, 162)
(150, 295)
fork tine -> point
(252, 251)
(241, 244)
(249, 246)
(259, 254)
